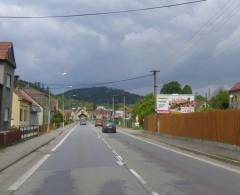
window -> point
(8, 81)
(25, 115)
(6, 115)
(21, 114)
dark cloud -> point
(104, 48)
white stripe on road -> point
(61, 142)
(120, 163)
(28, 174)
(138, 176)
(185, 154)
(155, 193)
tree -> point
(200, 98)
(171, 88)
(57, 117)
(144, 107)
(220, 100)
(187, 90)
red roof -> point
(235, 88)
(6, 52)
(26, 97)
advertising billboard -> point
(175, 103)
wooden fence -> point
(217, 126)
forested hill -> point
(102, 95)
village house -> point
(234, 94)
(7, 69)
(42, 99)
(25, 110)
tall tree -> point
(187, 89)
(171, 88)
(144, 107)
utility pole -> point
(155, 85)
(63, 107)
(155, 96)
(113, 107)
(49, 109)
(124, 111)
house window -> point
(25, 115)
(6, 115)
(8, 81)
(21, 115)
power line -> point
(103, 83)
(211, 25)
(102, 13)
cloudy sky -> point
(193, 44)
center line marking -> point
(28, 174)
(138, 176)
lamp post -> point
(49, 109)
(64, 104)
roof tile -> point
(235, 88)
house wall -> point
(24, 114)
(235, 100)
(40, 117)
(15, 111)
(6, 99)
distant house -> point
(26, 111)
(42, 99)
(7, 68)
(234, 94)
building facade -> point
(7, 69)
(25, 110)
(234, 95)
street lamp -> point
(63, 102)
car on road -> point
(98, 123)
(83, 122)
(109, 127)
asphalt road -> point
(88, 162)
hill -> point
(102, 95)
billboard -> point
(175, 103)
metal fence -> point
(30, 131)
(218, 126)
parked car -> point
(98, 123)
(109, 127)
(83, 122)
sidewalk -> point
(209, 149)
(14, 153)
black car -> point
(109, 127)
(83, 122)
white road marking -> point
(61, 142)
(28, 174)
(120, 163)
(185, 154)
(119, 158)
(155, 193)
(138, 176)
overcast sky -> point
(194, 44)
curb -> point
(30, 152)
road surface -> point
(87, 162)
